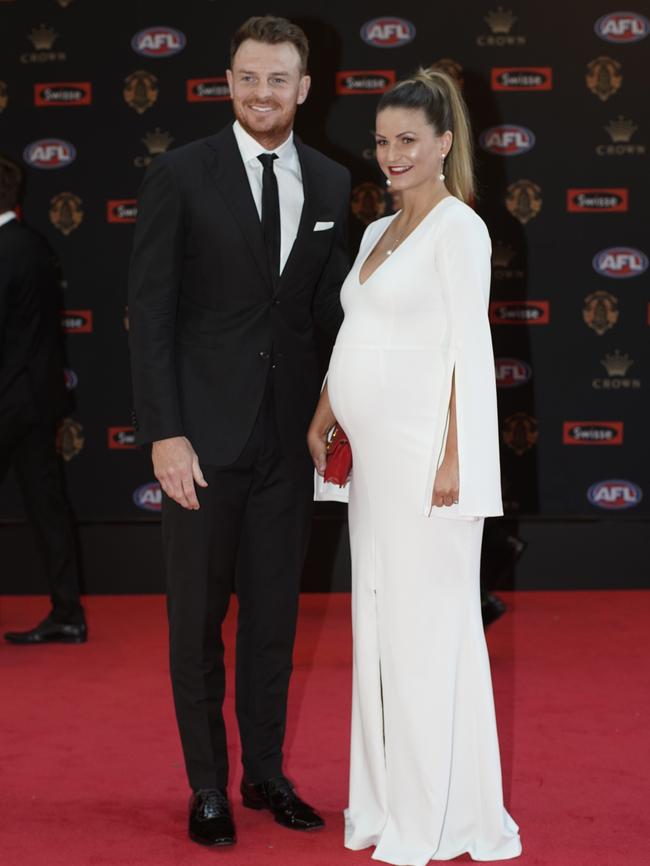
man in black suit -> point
(31, 402)
(240, 250)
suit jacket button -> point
(264, 355)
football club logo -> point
(388, 32)
(69, 439)
(49, 153)
(600, 312)
(140, 90)
(368, 202)
(65, 212)
(604, 77)
(614, 494)
(620, 263)
(452, 68)
(524, 200)
(158, 42)
(520, 432)
(622, 27)
(507, 140)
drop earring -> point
(441, 176)
(388, 182)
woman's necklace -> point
(398, 240)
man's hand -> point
(176, 466)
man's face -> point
(267, 86)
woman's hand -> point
(321, 424)
(447, 483)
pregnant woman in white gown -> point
(411, 381)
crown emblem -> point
(451, 67)
(621, 130)
(43, 37)
(617, 364)
(502, 255)
(157, 141)
(604, 77)
(500, 21)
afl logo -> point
(70, 379)
(512, 372)
(614, 495)
(48, 153)
(507, 140)
(622, 27)
(388, 32)
(620, 262)
(148, 496)
(158, 42)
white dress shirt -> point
(7, 216)
(289, 177)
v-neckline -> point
(399, 247)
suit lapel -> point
(228, 172)
(307, 219)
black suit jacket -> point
(31, 357)
(206, 323)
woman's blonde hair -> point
(438, 95)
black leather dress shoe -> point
(210, 819)
(278, 796)
(50, 631)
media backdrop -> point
(91, 92)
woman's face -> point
(408, 150)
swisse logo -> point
(511, 372)
(123, 210)
(592, 433)
(620, 263)
(615, 494)
(507, 140)
(158, 41)
(520, 312)
(70, 93)
(364, 81)
(522, 78)
(148, 496)
(77, 321)
(388, 32)
(603, 200)
(622, 27)
(121, 438)
(49, 153)
(207, 89)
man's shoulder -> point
(187, 154)
(322, 163)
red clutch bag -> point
(339, 457)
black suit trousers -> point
(29, 447)
(249, 534)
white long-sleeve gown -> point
(425, 775)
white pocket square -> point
(321, 227)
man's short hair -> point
(272, 30)
(11, 178)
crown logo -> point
(43, 37)
(157, 141)
(621, 130)
(617, 364)
(502, 255)
(500, 21)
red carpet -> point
(91, 770)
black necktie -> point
(271, 213)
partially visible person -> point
(31, 403)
